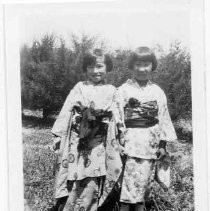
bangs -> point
(142, 54)
(90, 60)
(144, 57)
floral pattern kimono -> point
(141, 143)
(81, 173)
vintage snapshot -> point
(106, 106)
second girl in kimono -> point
(148, 128)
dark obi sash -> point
(141, 115)
(89, 124)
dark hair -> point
(90, 59)
(142, 54)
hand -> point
(161, 153)
(121, 138)
(121, 150)
(56, 144)
(122, 141)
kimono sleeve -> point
(119, 108)
(167, 131)
(61, 124)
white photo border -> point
(14, 126)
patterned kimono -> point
(84, 165)
(146, 123)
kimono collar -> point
(134, 82)
(88, 82)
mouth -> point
(96, 76)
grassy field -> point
(39, 163)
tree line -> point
(50, 70)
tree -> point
(120, 71)
(48, 72)
(39, 76)
(174, 76)
(80, 47)
(25, 60)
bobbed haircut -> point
(142, 54)
(91, 58)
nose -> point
(96, 70)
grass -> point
(180, 196)
(39, 162)
(38, 169)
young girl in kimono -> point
(85, 130)
(148, 128)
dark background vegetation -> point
(49, 70)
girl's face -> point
(142, 70)
(96, 73)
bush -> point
(174, 76)
(48, 73)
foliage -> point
(39, 76)
(120, 71)
(174, 76)
(49, 72)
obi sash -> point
(141, 115)
(89, 124)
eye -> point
(138, 64)
(90, 66)
(99, 66)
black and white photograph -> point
(105, 106)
